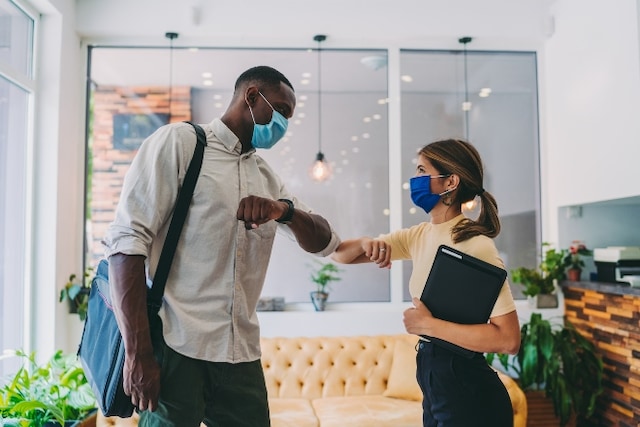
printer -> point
(618, 264)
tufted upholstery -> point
(342, 382)
(328, 367)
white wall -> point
(592, 87)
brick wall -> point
(110, 164)
(612, 323)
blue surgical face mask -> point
(421, 194)
(266, 136)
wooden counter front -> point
(609, 315)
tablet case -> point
(461, 289)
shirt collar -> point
(226, 136)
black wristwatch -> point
(288, 215)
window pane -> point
(502, 125)
(13, 143)
(353, 129)
(16, 38)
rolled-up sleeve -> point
(149, 193)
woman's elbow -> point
(513, 347)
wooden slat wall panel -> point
(612, 323)
(109, 164)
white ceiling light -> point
(374, 62)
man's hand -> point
(142, 381)
(254, 210)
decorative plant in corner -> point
(326, 273)
(560, 361)
(53, 393)
(77, 293)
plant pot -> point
(319, 300)
(540, 412)
(574, 274)
(547, 300)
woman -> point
(457, 391)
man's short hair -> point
(262, 74)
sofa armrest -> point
(518, 400)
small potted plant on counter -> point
(326, 273)
(540, 284)
(573, 261)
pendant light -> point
(470, 206)
(466, 105)
(171, 36)
(320, 170)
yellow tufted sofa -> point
(345, 382)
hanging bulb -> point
(466, 106)
(320, 170)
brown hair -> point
(454, 156)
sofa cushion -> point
(292, 412)
(359, 411)
(402, 382)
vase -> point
(319, 300)
(547, 300)
(574, 274)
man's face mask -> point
(421, 194)
(266, 136)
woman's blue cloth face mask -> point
(266, 136)
(421, 194)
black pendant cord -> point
(171, 37)
(466, 109)
(319, 38)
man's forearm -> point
(312, 231)
(129, 297)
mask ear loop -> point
(250, 110)
(447, 200)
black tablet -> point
(461, 289)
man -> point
(211, 369)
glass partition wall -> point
(130, 97)
(501, 121)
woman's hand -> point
(363, 249)
(418, 320)
(377, 251)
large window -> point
(502, 123)
(16, 88)
(129, 98)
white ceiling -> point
(293, 23)
(214, 26)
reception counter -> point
(609, 315)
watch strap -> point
(288, 215)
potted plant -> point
(325, 273)
(573, 259)
(556, 360)
(55, 393)
(540, 284)
(76, 293)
